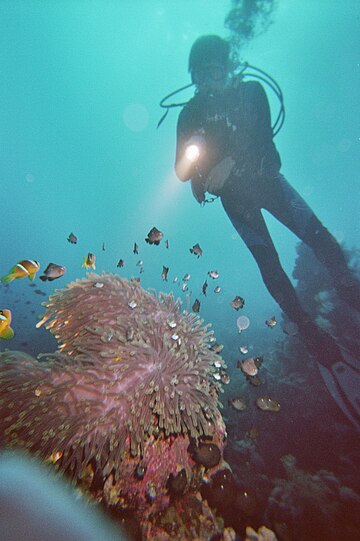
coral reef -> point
(263, 534)
(317, 501)
(117, 406)
(190, 518)
(316, 291)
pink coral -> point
(131, 384)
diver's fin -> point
(349, 380)
(343, 383)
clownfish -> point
(89, 261)
(6, 332)
(26, 267)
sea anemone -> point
(133, 374)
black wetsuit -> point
(237, 123)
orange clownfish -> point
(6, 331)
(89, 261)
(26, 267)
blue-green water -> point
(80, 87)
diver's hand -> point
(219, 175)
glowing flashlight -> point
(194, 148)
(192, 153)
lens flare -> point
(242, 323)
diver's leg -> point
(252, 228)
(291, 210)
(250, 224)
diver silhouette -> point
(225, 147)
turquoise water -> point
(80, 88)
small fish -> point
(26, 267)
(52, 272)
(54, 457)
(216, 348)
(130, 334)
(266, 403)
(6, 332)
(196, 250)
(217, 289)
(237, 302)
(244, 350)
(103, 246)
(175, 279)
(186, 277)
(238, 404)
(253, 433)
(213, 274)
(154, 236)
(167, 244)
(164, 273)
(271, 322)
(121, 263)
(39, 292)
(207, 454)
(136, 248)
(141, 270)
(89, 261)
(250, 366)
(132, 304)
(176, 484)
(99, 285)
(140, 471)
(196, 306)
(139, 263)
(225, 378)
(184, 287)
(204, 287)
(72, 238)
(254, 380)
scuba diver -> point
(225, 147)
